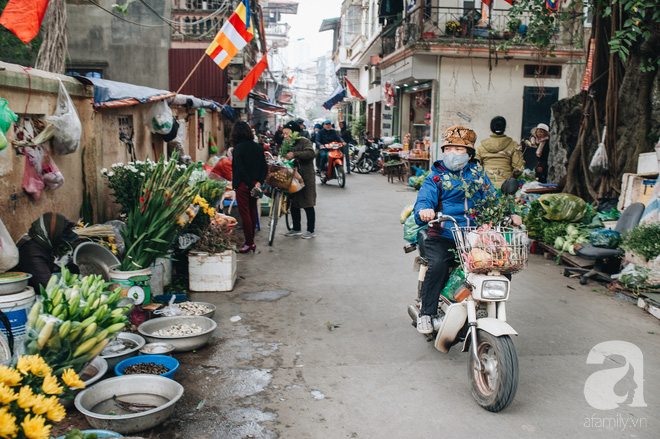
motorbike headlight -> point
(494, 289)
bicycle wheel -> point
(274, 216)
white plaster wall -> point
(471, 95)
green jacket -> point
(501, 158)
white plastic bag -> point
(599, 163)
(170, 310)
(159, 118)
(68, 128)
(8, 250)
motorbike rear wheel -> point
(365, 165)
(341, 175)
(494, 387)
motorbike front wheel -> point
(495, 386)
(340, 174)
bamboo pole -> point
(191, 72)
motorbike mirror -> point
(510, 186)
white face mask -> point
(455, 162)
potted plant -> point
(452, 28)
(212, 261)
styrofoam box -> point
(647, 164)
(212, 272)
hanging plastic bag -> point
(50, 173)
(599, 164)
(411, 228)
(33, 183)
(406, 212)
(8, 250)
(563, 207)
(68, 128)
(159, 118)
(297, 184)
(7, 117)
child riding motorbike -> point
(452, 187)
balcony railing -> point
(444, 25)
(277, 30)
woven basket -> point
(279, 176)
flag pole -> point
(191, 72)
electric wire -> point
(125, 19)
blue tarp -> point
(108, 91)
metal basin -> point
(135, 341)
(181, 343)
(13, 282)
(93, 258)
(90, 375)
(97, 404)
(157, 349)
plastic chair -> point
(232, 203)
(628, 220)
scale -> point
(140, 291)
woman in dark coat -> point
(249, 169)
(303, 152)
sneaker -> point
(424, 325)
(308, 235)
(293, 233)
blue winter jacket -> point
(324, 137)
(450, 189)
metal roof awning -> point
(329, 24)
(261, 104)
(113, 94)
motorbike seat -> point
(421, 239)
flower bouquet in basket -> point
(29, 397)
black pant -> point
(311, 218)
(347, 160)
(440, 259)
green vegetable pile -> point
(73, 320)
(416, 182)
(643, 240)
(77, 434)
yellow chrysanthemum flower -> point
(10, 376)
(8, 425)
(40, 405)
(51, 386)
(56, 412)
(24, 364)
(33, 364)
(7, 394)
(35, 427)
(25, 398)
(72, 379)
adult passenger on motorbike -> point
(452, 187)
(323, 137)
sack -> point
(411, 228)
(159, 118)
(33, 184)
(50, 173)
(66, 122)
(297, 183)
(8, 250)
(7, 117)
(599, 164)
(279, 176)
(563, 207)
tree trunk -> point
(53, 50)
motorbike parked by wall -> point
(472, 307)
(335, 168)
(367, 157)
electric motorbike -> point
(472, 307)
(335, 164)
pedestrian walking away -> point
(249, 169)
(499, 154)
(303, 152)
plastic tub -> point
(171, 363)
(99, 433)
(17, 307)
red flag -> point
(291, 80)
(251, 79)
(23, 17)
(353, 90)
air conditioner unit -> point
(374, 75)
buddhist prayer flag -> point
(233, 36)
(23, 17)
(354, 92)
(251, 79)
(291, 80)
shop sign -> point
(386, 120)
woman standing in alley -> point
(303, 152)
(249, 169)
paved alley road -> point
(334, 354)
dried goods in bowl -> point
(181, 343)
